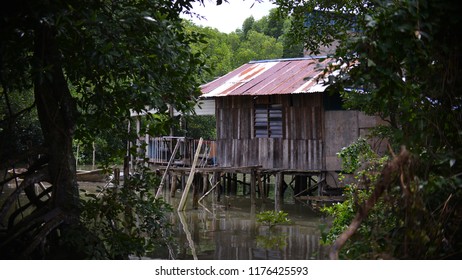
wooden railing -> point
(160, 150)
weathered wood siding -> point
(342, 128)
(300, 148)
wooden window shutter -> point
(268, 121)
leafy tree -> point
(225, 52)
(275, 25)
(88, 63)
(201, 126)
(247, 25)
(402, 59)
(257, 46)
(290, 48)
(213, 45)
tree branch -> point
(35, 222)
(18, 211)
(53, 220)
(390, 174)
(41, 175)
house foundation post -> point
(173, 185)
(278, 197)
(253, 185)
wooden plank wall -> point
(300, 148)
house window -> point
(268, 121)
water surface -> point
(228, 230)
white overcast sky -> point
(227, 17)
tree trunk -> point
(57, 112)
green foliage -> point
(120, 221)
(201, 126)
(360, 159)
(19, 125)
(272, 218)
(257, 46)
(415, 219)
(257, 40)
(399, 60)
(89, 64)
(353, 155)
(247, 25)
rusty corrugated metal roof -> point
(267, 77)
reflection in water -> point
(228, 230)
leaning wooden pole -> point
(182, 204)
(159, 191)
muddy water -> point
(228, 230)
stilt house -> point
(277, 115)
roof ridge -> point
(287, 59)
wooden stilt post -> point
(228, 183)
(217, 181)
(182, 204)
(234, 184)
(222, 180)
(261, 192)
(300, 183)
(244, 187)
(205, 184)
(277, 191)
(198, 183)
(174, 184)
(253, 185)
(265, 185)
(321, 185)
(182, 180)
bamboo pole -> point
(209, 191)
(182, 204)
